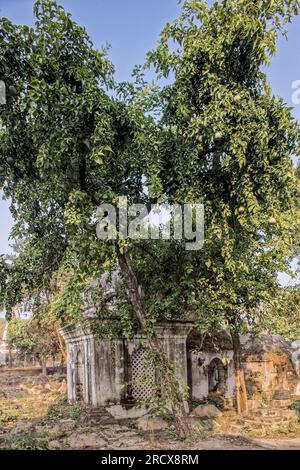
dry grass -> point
(23, 398)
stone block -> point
(151, 423)
(119, 412)
(86, 441)
(207, 412)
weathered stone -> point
(53, 445)
(296, 344)
(271, 368)
(282, 395)
(207, 412)
(129, 442)
(63, 386)
(67, 424)
(85, 441)
(100, 372)
(119, 412)
(21, 426)
(151, 423)
(40, 428)
(111, 374)
(57, 432)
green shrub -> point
(295, 406)
(28, 439)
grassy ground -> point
(34, 414)
(26, 397)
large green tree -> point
(71, 139)
(229, 142)
(66, 147)
(284, 317)
(36, 337)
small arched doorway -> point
(217, 376)
(79, 376)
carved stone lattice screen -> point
(143, 375)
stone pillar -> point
(174, 336)
(70, 375)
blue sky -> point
(132, 27)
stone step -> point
(282, 395)
(255, 421)
(254, 405)
(250, 426)
(268, 419)
(234, 429)
(281, 403)
(262, 418)
(110, 436)
(273, 413)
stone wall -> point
(200, 373)
(100, 371)
(113, 373)
(95, 369)
(271, 369)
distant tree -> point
(284, 317)
(2, 327)
(35, 337)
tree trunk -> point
(61, 343)
(61, 365)
(170, 383)
(241, 393)
(44, 366)
(10, 360)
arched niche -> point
(217, 376)
(79, 376)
